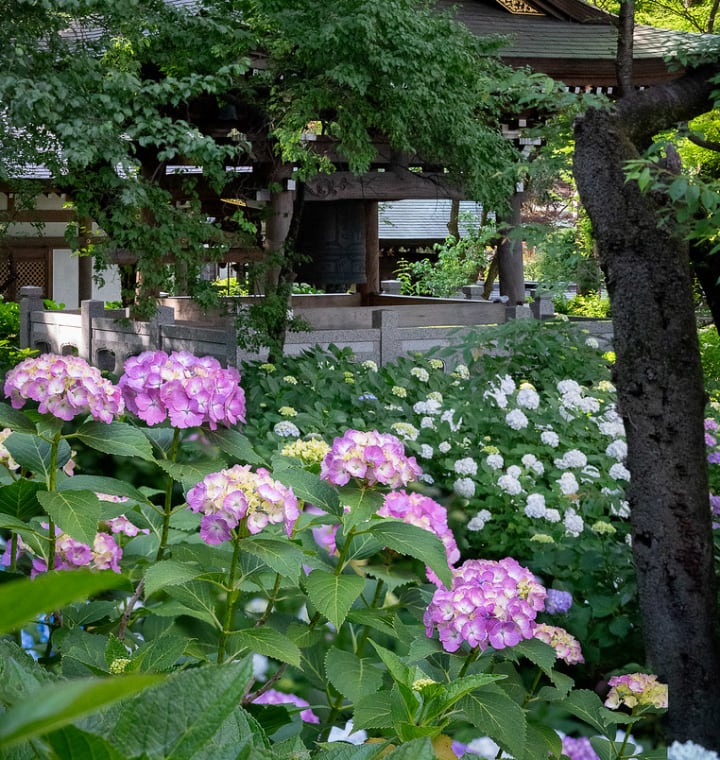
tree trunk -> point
(509, 257)
(661, 399)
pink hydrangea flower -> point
(636, 689)
(104, 554)
(225, 498)
(275, 697)
(566, 646)
(371, 458)
(189, 390)
(416, 509)
(491, 603)
(64, 386)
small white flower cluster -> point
(464, 487)
(690, 751)
(406, 431)
(478, 522)
(516, 419)
(466, 466)
(571, 459)
(420, 373)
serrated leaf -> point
(333, 595)
(415, 542)
(377, 619)
(587, 706)
(542, 741)
(400, 672)
(415, 749)
(76, 513)
(196, 596)
(19, 499)
(460, 687)
(59, 704)
(15, 419)
(168, 573)
(116, 438)
(35, 453)
(269, 642)
(363, 506)
(236, 445)
(101, 484)
(608, 750)
(284, 557)
(308, 487)
(71, 742)
(23, 600)
(190, 473)
(184, 716)
(538, 652)
(374, 711)
(354, 677)
(344, 751)
(159, 655)
(494, 713)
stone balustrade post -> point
(31, 299)
(89, 311)
(387, 322)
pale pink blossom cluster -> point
(635, 689)
(64, 386)
(491, 603)
(566, 646)
(370, 457)
(275, 697)
(190, 390)
(416, 509)
(104, 554)
(225, 498)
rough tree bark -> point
(661, 398)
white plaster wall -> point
(65, 281)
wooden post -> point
(31, 299)
(510, 257)
(372, 253)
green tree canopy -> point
(107, 94)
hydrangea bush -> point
(314, 590)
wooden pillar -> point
(85, 262)
(277, 226)
(511, 272)
(372, 252)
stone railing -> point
(390, 327)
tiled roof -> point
(570, 29)
(425, 220)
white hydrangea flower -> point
(589, 473)
(466, 466)
(370, 365)
(436, 363)
(531, 462)
(550, 438)
(552, 515)
(429, 406)
(528, 397)
(568, 484)
(461, 371)
(568, 386)
(592, 342)
(464, 487)
(619, 472)
(617, 449)
(507, 385)
(448, 416)
(509, 485)
(478, 522)
(690, 751)
(535, 505)
(427, 422)
(572, 458)
(516, 419)
(494, 461)
(573, 523)
(514, 471)
(426, 451)
(589, 404)
(420, 373)
(621, 510)
(444, 447)
(435, 396)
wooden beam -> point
(380, 186)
